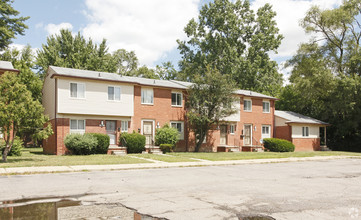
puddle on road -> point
(48, 208)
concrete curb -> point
(82, 168)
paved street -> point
(295, 190)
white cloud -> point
(150, 28)
(289, 15)
(55, 28)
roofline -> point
(109, 80)
(10, 70)
(294, 122)
(272, 98)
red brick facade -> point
(284, 132)
(306, 144)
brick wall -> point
(306, 144)
(49, 144)
(284, 132)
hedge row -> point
(278, 145)
(89, 143)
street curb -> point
(83, 168)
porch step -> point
(117, 150)
(324, 148)
(253, 148)
(153, 150)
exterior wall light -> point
(101, 124)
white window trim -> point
(77, 92)
(141, 92)
(234, 129)
(77, 131)
(244, 105)
(120, 95)
(269, 106)
(308, 131)
(121, 125)
(269, 130)
(181, 134)
(181, 94)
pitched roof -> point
(62, 71)
(6, 65)
(293, 117)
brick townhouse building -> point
(79, 101)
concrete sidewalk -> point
(82, 168)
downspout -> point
(55, 118)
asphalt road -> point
(296, 190)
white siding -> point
(96, 98)
(49, 96)
(236, 116)
(314, 131)
(280, 121)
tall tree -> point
(126, 62)
(326, 77)
(209, 100)
(19, 112)
(10, 24)
(234, 39)
(166, 71)
(66, 50)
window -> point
(77, 126)
(177, 99)
(77, 90)
(147, 96)
(266, 107)
(247, 105)
(179, 126)
(124, 126)
(305, 132)
(266, 131)
(232, 129)
(114, 93)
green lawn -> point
(34, 157)
(260, 155)
(164, 158)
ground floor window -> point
(266, 131)
(305, 131)
(232, 129)
(179, 125)
(77, 126)
(124, 126)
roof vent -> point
(99, 75)
(154, 82)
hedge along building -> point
(302, 131)
(79, 101)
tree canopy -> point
(234, 39)
(10, 23)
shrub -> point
(278, 145)
(103, 143)
(80, 144)
(134, 142)
(166, 135)
(15, 149)
(166, 148)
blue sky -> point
(149, 27)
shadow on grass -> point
(16, 160)
(37, 152)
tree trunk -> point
(5, 153)
(199, 143)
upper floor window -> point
(247, 105)
(266, 106)
(232, 129)
(77, 90)
(147, 96)
(124, 126)
(77, 126)
(179, 126)
(305, 131)
(177, 99)
(113, 93)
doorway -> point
(247, 135)
(223, 139)
(148, 132)
(110, 127)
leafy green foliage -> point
(166, 148)
(103, 141)
(166, 135)
(210, 99)
(15, 149)
(81, 144)
(278, 145)
(234, 39)
(134, 142)
(19, 112)
(10, 24)
(126, 62)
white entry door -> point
(111, 131)
(148, 132)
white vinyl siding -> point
(147, 96)
(247, 105)
(266, 131)
(77, 126)
(179, 125)
(124, 126)
(114, 93)
(177, 99)
(305, 132)
(266, 107)
(77, 90)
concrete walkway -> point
(82, 168)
